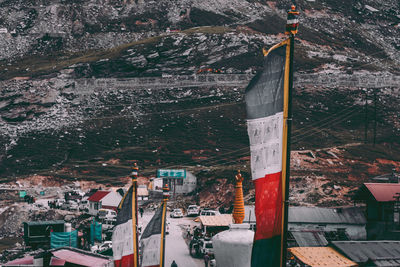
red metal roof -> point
(57, 262)
(24, 261)
(383, 192)
(96, 197)
(79, 258)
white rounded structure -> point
(67, 227)
(232, 248)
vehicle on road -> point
(108, 224)
(107, 214)
(200, 247)
(102, 247)
(59, 202)
(207, 212)
(176, 213)
(73, 206)
(193, 210)
(65, 206)
(84, 205)
(206, 247)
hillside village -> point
(367, 227)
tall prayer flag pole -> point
(269, 117)
(134, 176)
(291, 30)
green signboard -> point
(171, 173)
(22, 193)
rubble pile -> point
(12, 218)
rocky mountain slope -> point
(88, 87)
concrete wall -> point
(189, 184)
(368, 80)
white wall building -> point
(103, 200)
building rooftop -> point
(383, 192)
(344, 215)
(99, 195)
(66, 256)
(309, 238)
(380, 253)
(44, 222)
(321, 256)
(217, 220)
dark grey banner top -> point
(125, 214)
(154, 226)
(264, 94)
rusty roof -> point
(383, 192)
(216, 220)
(321, 256)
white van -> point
(193, 210)
(209, 213)
(107, 214)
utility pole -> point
(366, 116)
(375, 122)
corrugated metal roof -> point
(57, 262)
(309, 238)
(23, 261)
(217, 220)
(321, 256)
(45, 222)
(381, 253)
(346, 215)
(96, 197)
(81, 258)
(383, 192)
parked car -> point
(59, 202)
(73, 206)
(193, 210)
(199, 247)
(207, 212)
(176, 213)
(206, 247)
(107, 214)
(102, 247)
(65, 206)
(84, 205)
(109, 224)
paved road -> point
(175, 246)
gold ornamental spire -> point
(238, 205)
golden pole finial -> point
(238, 205)
(135, 172)
(165, 192)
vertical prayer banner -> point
(266, 106)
